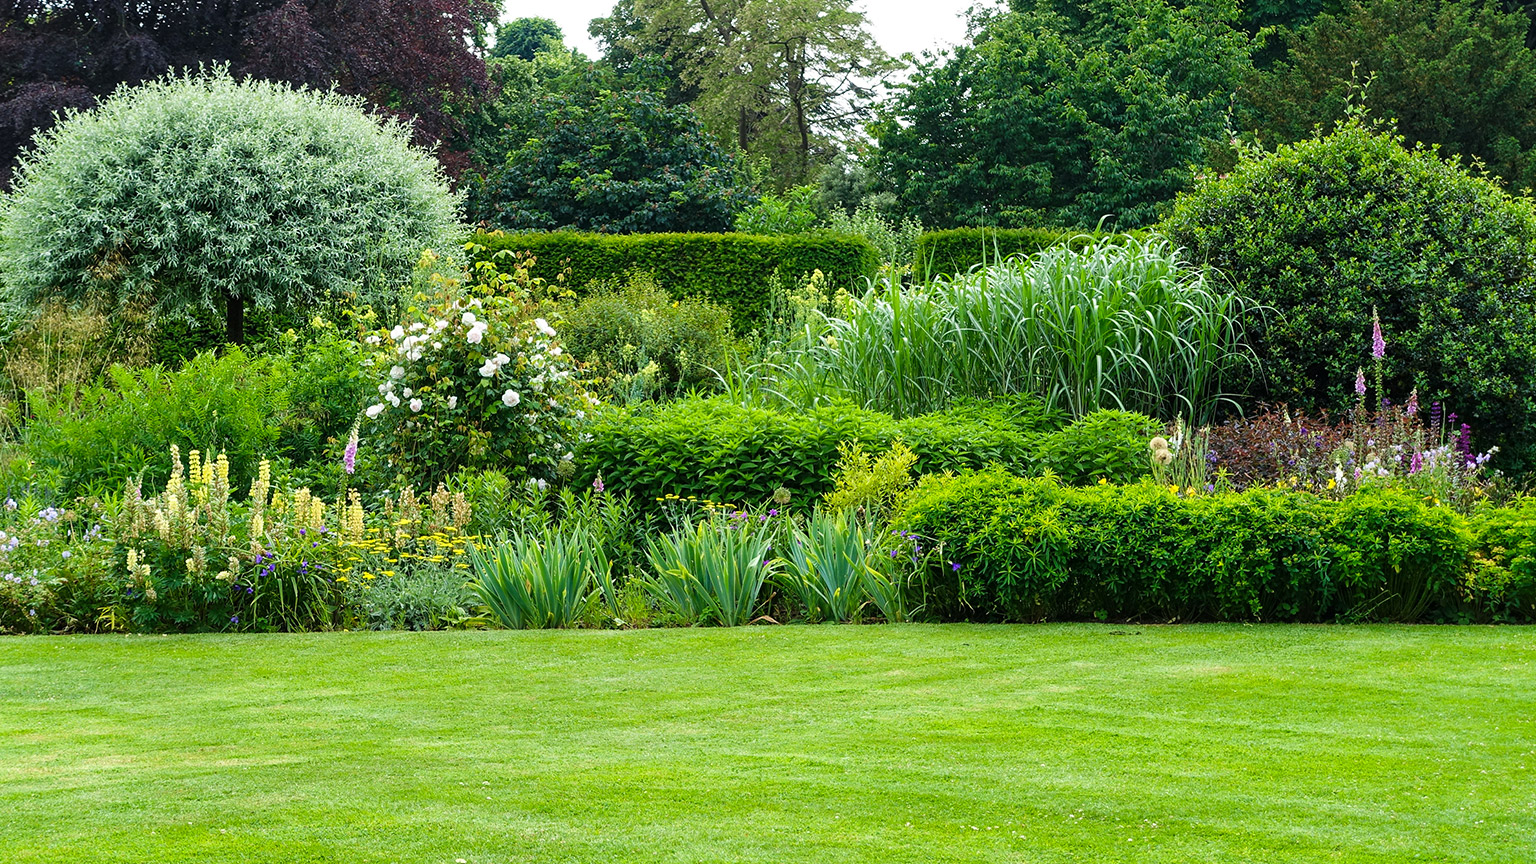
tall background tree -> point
(526, 38)
(1064, 113)
(1457, 73)
(594, 151)
(781, 80)
(412, 58)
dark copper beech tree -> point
(412, 58)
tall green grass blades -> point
(886, 591)
(824, 567)
(540, 580)
(712, 572)
(1112, 325)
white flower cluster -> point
(545, 359)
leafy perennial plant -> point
(474, 376)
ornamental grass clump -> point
(543, 580)
(198, 191)
(829, 565)
(712, 572)
(1128, 325)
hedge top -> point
(738, 271)
(955, 251)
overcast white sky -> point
(898, 25)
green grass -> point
(789, 744)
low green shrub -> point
(99, 434)
(722, 451)
(1010, 548)
(718, 450)
(422, 598)
(1105, 445)
(640, 343)
(1503, 583)
(741, 272)
(955, 251)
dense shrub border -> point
(722, 451)
(1012, 548)
(1327, 233)
(956, 250)
(736, 271)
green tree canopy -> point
(527, 37)
(1451, 72)
(602, 158)
(783, 80)
(206, 192)
(1050, 117)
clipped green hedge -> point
(736, 271)
(722, 451)
(1032, 549)
(957, 250)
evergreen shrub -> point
(1012, 548)
(1325, 231)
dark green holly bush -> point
(1010, 548)
(1325, 231)
(738, 271)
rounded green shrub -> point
(1020, 549)
(200, 192)
(1326, 230)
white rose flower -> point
(544, 327)
(372, 339)
(407, 393)
(397, 372)
(417, 326)
(374, 411)
(398, 333)
(392, 399)
(468, 319)
(555, 351)
(511, 398)
(489, 369)
(502, 360)
(453, 402)
(475, 334)
(415, 406)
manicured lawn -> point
(790, 744)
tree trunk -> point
(234, 320)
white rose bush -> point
(473, 375)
